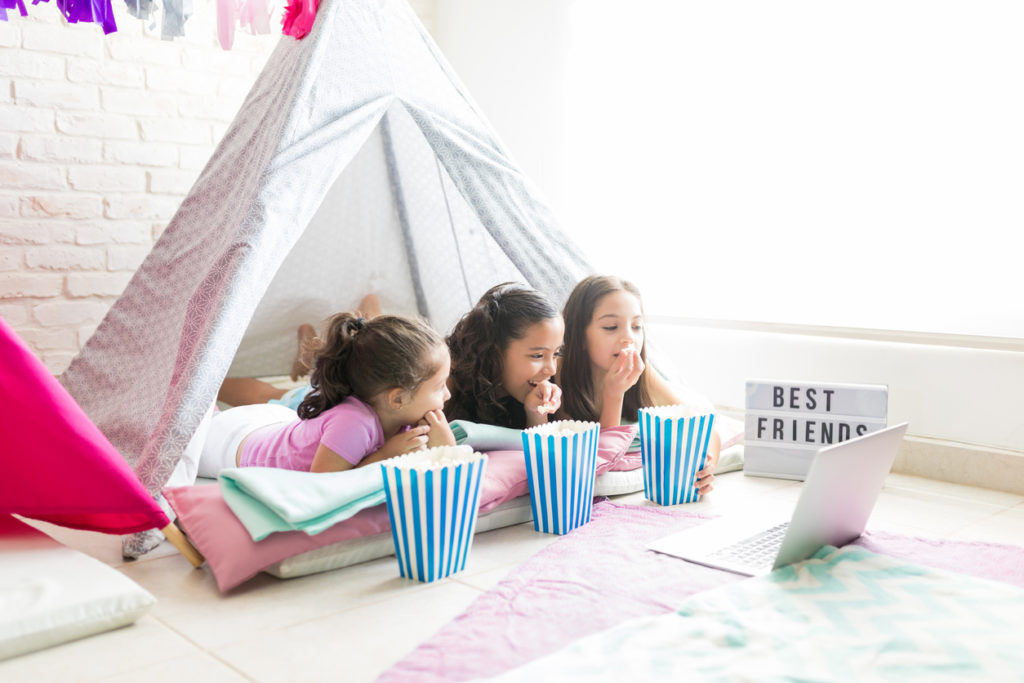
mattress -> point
(355, 550)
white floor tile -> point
(104, 547)
(934, 514)
(485, 581)
(951, 490)
(200, 667)
(503, 547)
(1006, 526)
(147, 643)
(354, 646)
(190, 602)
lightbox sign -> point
(787, 422)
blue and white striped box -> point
(432, 499)
(673, 446)
(561, 459)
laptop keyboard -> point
(757, 550)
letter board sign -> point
(787, 422)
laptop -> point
(838, 495)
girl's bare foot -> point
(304, 354)
(369, 307)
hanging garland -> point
(252, 14)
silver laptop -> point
(838, 495)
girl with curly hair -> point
(504, 355)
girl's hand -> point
(706, 476)
(440, 431)
(412, 439)
(625, 373)
(544, 400)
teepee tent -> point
(358, 163)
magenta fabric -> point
(234, 557)
(298, 18)
(56, 464)
(601, 574)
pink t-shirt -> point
(351, 429)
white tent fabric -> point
(358, 163)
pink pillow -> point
(234, 557)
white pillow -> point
(50, 594)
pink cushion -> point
(234, 557)
(57, 465)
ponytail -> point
(361, 358)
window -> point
(834, 164)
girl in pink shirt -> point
(378, 390)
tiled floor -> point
(351, 624)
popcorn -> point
(437, 458)
(563, 428)
(432, 507)
(675, 412)
(546, 408)
(561, 459)
(673, 447)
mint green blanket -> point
(491, 438)
(268, 499)
(844, 615)
(483, 437)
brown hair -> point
(361, 358)
(576, 378)
(477, 346)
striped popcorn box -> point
(561, 458)
(673, 445)
(432, 499)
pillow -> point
(50, 594)
(619, 482)
(234, 557)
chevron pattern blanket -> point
(846, 614)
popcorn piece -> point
(437, 458)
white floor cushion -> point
(50, 594)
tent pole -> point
(403, 215)
(184, 546)
(455, 235)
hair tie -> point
(356, 325)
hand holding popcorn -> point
(545, 399)
(625, 372)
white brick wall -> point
(101, 137)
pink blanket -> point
(601, 575)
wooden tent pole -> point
(184, 546)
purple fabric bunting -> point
(95, 11)
(11, 4)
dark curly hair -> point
(575, 376)
(361, 358)
(477, 346)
